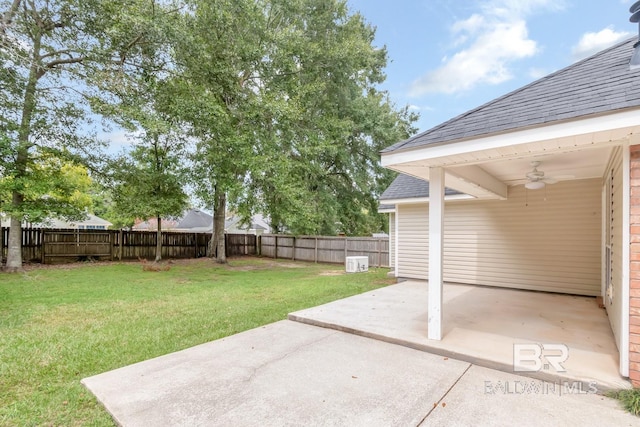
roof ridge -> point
(400, 145)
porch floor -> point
(481, 325)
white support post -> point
(436, 228)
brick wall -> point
(634, 273)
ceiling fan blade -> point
(550, 180)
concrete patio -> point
(481, 326)
(290, 373)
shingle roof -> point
(408, 187)
(599, 84)
(195, 218)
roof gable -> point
(195, 218)
(599, 84)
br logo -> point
(536, 357)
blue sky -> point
(449, 56)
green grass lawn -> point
(61, 324)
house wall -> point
(392, 240)
(540, 240)
(613, 297)
(634, 267)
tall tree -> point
(219, 81)
(49, 50)
(148, 182)
(299, 121)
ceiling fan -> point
(536, 178)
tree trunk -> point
(159, 240)
(219, 214)
(14, 250)
(211, 247)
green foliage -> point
(104, 206)
(51, 51)
(58, 326)
(50, 188)
(148, 181)
(630, 399)
(292, 122)
(278, 98)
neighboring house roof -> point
(93, 220)
(152, 224)
(599, 84)
(258, 222)
(408, 187)
(195, 218)
(90, 220)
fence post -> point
(346, 250)
(112, 244)
(315, 256)
(120, 245)
(43, 246)
(379, 253)
(276, 253)
(259, 245)
(1, 246)
(293, 250)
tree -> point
(288, 119)
(55, 188)
(217, 82)
(49, 50)
(148, 182)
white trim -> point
(414, 200)
(569, 130)
(603, 241)
(397, 245)
(626, 211)
(479, 178)
(436, 243)
(390, 210)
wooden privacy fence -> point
(325, 248)
(50, 246)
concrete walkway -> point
(292, 374)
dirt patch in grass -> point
(332, 273)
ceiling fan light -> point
(534, 185)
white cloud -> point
(591, 43)
(537, 73)
(489, 42)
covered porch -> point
(482, 324)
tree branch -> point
(7, 17)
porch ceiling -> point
(484, 167)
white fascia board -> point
(414, 200)
(390, 210)
(626, 119)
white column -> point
(436, 227)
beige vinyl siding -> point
(524, 242)
(413, 240)
(614, 308)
